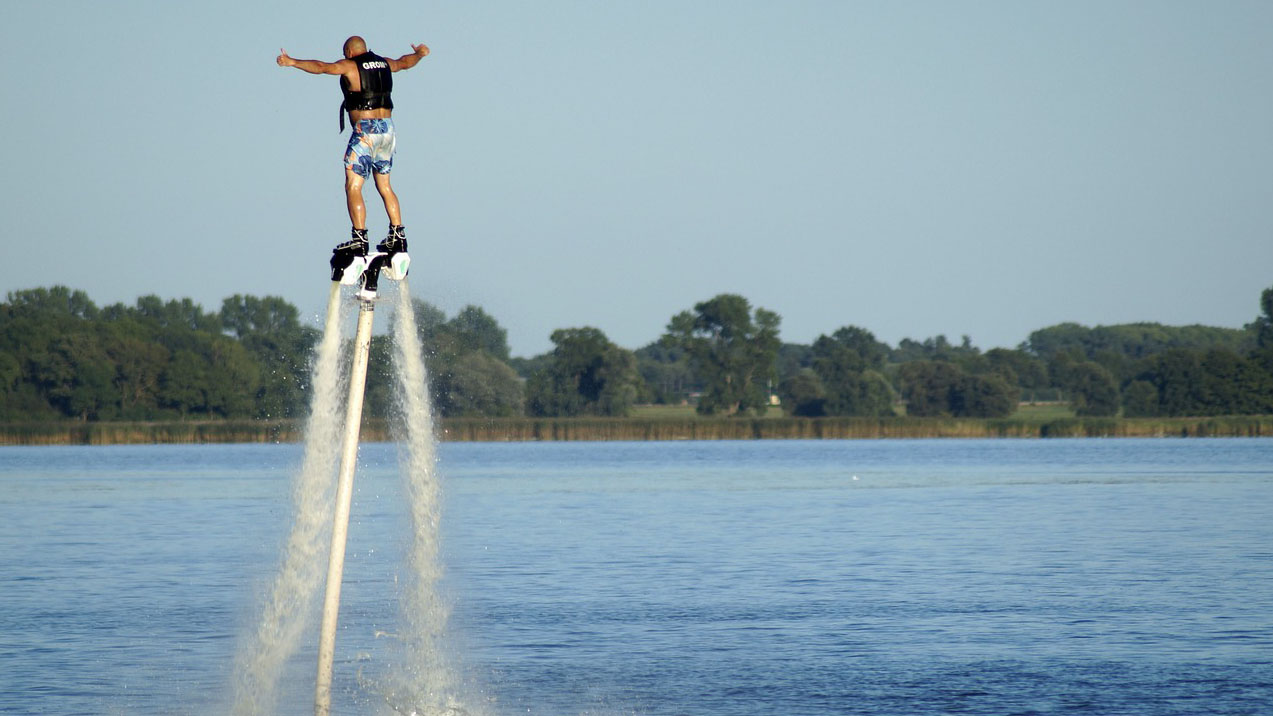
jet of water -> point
(290, 602)
(429, 679)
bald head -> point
(355, 46)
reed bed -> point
(133, 433)
(630, 429)
(520, 430)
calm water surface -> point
(837, 577)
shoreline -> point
(642, 429)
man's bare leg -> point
(353, 196)
(390, 199)
(357, 244)
(397, 239)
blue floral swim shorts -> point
(371, 146)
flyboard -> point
(349, 269)
(364, 271)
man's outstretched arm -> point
(314, 67)
(406, 62)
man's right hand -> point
(285, 61)
(421, 50)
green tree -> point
(586, 375)
(380, 393)
(1140, 400)
(527, 367)
(62, 369)
(927, 386)
(134, 362)
(1120, 366)
(10, 373)
(1262, 327)
(732, 350)
(181, 385)
(1062, 337)
(233, 379)
(834, 361)
(666, 373)
(270, 330)
(429, 321)
(468, 363)
(480, 385)
(87, 392)
(1133, 340)
(939, 388)
(983, 396)
(214, 378)
(1092, 389)
(1234, 385)
(177, 314)
(850, 383)
(1061, 366)
(873, 353)
(139, 364)
(1019, 368)
(55, 301)
(802, 394)
(937, 348)
(792, 359)
(1215, 382)
(1177, 376)
(476, 330)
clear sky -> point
(914, 168)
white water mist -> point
(428, 681)
(262, 655)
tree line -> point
(63, 357)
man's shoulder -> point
(345, 66)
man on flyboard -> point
(366, 80)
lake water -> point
(837, 577)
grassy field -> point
(1043, 412)
(663, 412)
(683, 412)
(1040, 412)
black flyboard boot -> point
(394, 252)
(344, 254)
(395, 242)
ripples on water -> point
(983, 577)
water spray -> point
(262, 655)
(427, 684)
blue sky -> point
(915, 168)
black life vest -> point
(377, 84)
